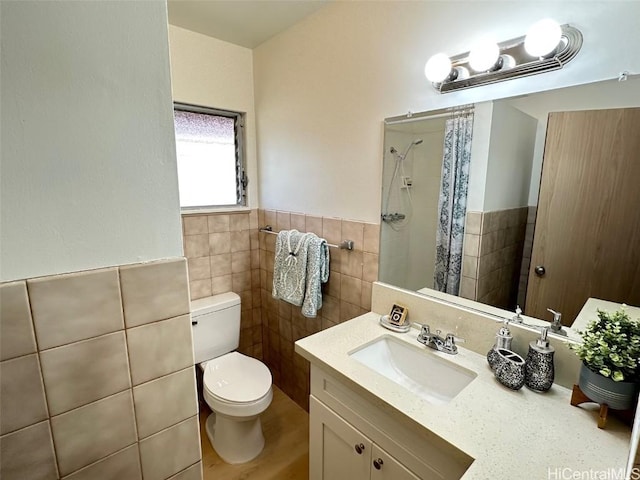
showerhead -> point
(417, 141)
(394, 151)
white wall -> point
(502, 152)
(323, 87)
(88, 157)
(480, 143)
(209, 72)
(513, 135)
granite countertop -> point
(589, 311)
(511, 435)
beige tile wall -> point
(526, 255)
(492, 256)
(223, 255)
(226, 252)
(97, 377)
(347, 294)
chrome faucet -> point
(435, 340)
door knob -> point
(378, 463)
(540, 271)
(359, 448)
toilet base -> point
(236, 440)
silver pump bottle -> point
(503, 341)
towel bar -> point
(345, 244)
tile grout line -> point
(44, 388)
(43, 385)
(163, 430)
(126, 346)
(112, 332)
(100, 460)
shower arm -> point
(410, 146)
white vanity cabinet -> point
(464, 437)
(385, 467)
(351, 438)
(340, 451)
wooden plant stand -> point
(578, 397)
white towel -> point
(290, 266)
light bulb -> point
(507, 62)
(459, 73)
(483, 55)
(437, 68)
(542, 38)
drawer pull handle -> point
(378, 463)
(359, 448)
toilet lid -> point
(237, 378)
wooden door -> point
(587, 232)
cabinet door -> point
(337, 451)
(385, 467)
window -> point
(209, 148)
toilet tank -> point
(215, 322)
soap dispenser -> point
(539, 370)
(556, 326)
(503, 341)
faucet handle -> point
(450, 343)
(424, 331)
(425, 334)
(451, 339)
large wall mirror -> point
(552, 203)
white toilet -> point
(236, 387)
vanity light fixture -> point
(547, 46)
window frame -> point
(241, 168)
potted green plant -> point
(610, 354)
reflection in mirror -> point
(562, 237)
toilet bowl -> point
(236, 387)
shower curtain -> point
(452, 205)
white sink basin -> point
(418, 370)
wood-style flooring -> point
(286, 452)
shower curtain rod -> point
(345, 244)
(442, 113)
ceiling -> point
(243, 22)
